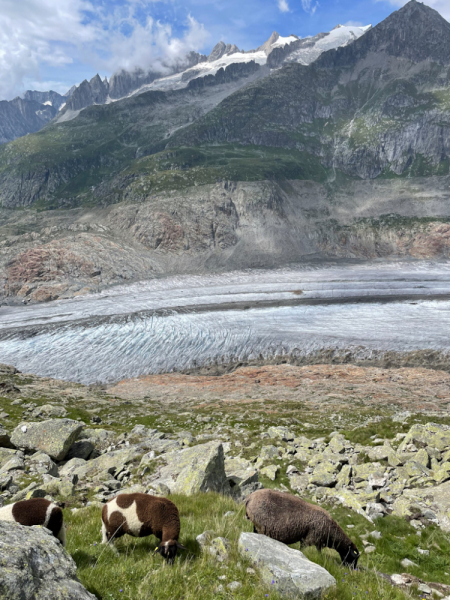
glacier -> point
(181, 322)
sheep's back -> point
(286, 518)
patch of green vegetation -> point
(387, 428)
(186, 167)
(419, 166)
(137, 573)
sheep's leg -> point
(104, 534)
(62, 535)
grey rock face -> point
(197, 469)
(295, 576)
(52, 98)
(33, 564)
(19, 117)
(54, 437)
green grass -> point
(140, 574)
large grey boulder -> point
(294, 576)
(197, 469)
(108, 463)
(35, 566)
(54, 437)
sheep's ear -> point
(180, 546)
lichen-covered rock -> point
(292, 574)
(54, 437)
(15, 463)
(34, 565)
(379, 453)
(197, 469)
(442, 473)
(108, 463)
(42, 463)
(338, 444)
(269, 452)
(48, 410)
(430, 434)
(362, 473)
(270, 471)
(325, 474)
(344, 476)
(403, 507)
(240, 471)
(281, 433)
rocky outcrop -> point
(287, 570)
(34, 564)
(197, 469)
(54, 437)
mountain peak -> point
(415, 32)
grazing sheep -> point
(141, 515)
(290, 519)
(36, 511)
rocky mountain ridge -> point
(18, 117)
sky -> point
(54, 44)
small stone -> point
(406, 563)
(234, 585)
(369, 549)
(402, 579)
(423, 552)
(424, 589)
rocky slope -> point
(381, 470)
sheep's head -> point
(350, 556)
(168, 550)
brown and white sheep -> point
(37, 511)
(290, 519)
(141, 515)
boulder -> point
(33, 564)
(14, 464)
(48, 410)
(282, 433)
(337, 444)
(54, 437)
(81, 449)
(240, 471)
(324, 474)
(292, 574)
(5, 455)
(109, 463)
(270, 471)
(430, 434)
(197, 469)
(42, 463)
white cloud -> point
(150, 46)
(35, 34)
(442, 6)
(309, 6)
(283, 5)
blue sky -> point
(53, 44)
